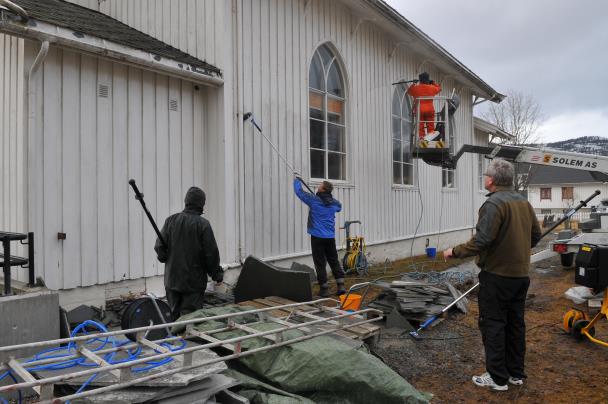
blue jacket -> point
(322, 214)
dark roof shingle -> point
(94, 23)
(541, 175)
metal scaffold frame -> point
(338, 320)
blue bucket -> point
(431, 252)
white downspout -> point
(32, 156)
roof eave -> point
(485, 126)
(42, 31)
(483, 88)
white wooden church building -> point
(95, 92)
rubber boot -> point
(324, 290)
(340, 286)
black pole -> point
(140, 197)
(6, 247)
(572, 211)
(30, 259)
(248, 116)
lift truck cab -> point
(591, 271)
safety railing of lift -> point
(8, 260)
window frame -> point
(325, 121)
(450, 173)
(403, 140)
(571, 192)
(482, 166)
(543, 191)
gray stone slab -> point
(203, 388)
(28, 317)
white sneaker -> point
(485, 380)
(516, 381)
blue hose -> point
(71, 349)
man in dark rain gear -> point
(190, 255)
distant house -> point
(553, 189)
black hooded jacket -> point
(192, 252)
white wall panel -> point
(91, 145)
(13, 145)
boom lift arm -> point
(596, 165)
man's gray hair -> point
(502, 172)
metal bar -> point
(30, 259)
(76, 356)
(59, 378)
(6, 249)
(140, 197)
(209, 362)
(158, 326)
(97, 359)
(158, 310)
(23, 373)
(153, 345)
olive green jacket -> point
(506, 231)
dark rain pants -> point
(183, 303)
(501, 322)
(323, 252)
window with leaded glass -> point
(326, 101)
(401, 124)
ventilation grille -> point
(103, 90)
(173, 105)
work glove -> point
(218, 275)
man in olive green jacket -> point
(506, 231)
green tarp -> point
(320, 369)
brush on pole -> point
(248, 116)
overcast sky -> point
(554, 50)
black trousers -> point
(183, 303)
(501, 322)
(323, 252)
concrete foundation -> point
(377, 253)
(28, 317)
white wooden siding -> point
(13, 146)
(275, 42)
(194, 26)
(90, 146)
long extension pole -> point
(249, 117)
(566, 216)
(140, 197)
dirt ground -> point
(559, 368)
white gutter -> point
(43, 31)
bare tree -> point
(519, 115)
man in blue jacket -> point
(321, 227)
